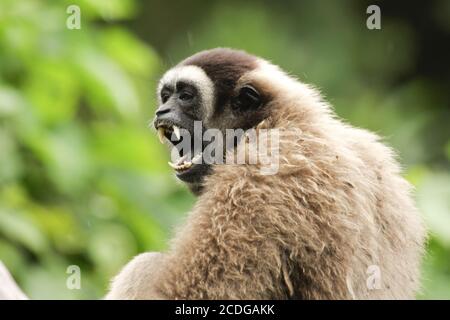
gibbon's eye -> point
(248, 98)
(186, 95)
(165, 95)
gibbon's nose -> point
(165, 108)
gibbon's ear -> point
(248, 98)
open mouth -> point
(173, 133)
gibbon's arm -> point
(9, 290)
(137, 279)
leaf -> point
(11, 101)
(106, 84)
(10, 161)
(133, 55)
(107, 9)
(53, 90)
(127, 147)
(60, 227)
(65, 156)
(433, 196)
(17, 227)
(110, 247)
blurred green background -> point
(83, 181)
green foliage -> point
(83, 181)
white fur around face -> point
(196, 76)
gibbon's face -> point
(205, 89)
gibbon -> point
(337, 209)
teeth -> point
(181, 167)
(176, 130)
(173, 165)
(186, 165)
(161, 132)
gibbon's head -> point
(219, 89)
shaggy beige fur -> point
(337, 206)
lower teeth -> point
(182, 164)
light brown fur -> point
(337, 206)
